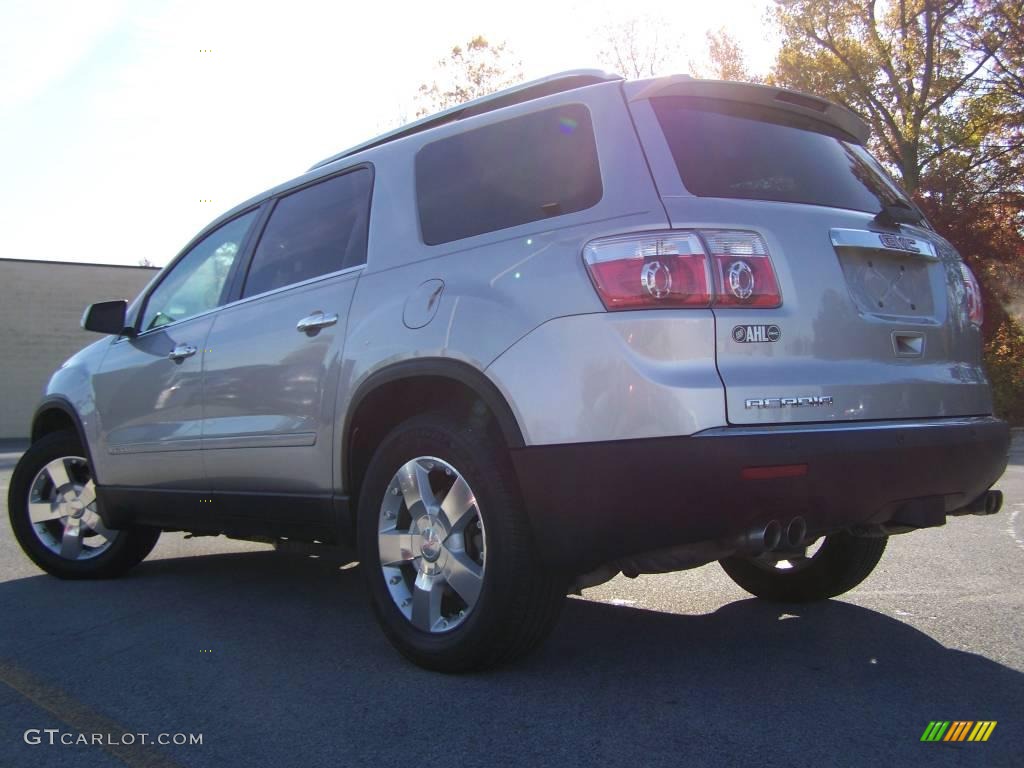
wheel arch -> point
(441, 382)
(54, 414)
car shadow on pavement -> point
(277, 660)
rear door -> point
(271, 369)
(873, 322)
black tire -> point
(519, 600)
(128, 547)
(842, 562)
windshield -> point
(747, 151)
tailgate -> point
(873, 322)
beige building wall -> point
(41, 305)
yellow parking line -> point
(81, 719)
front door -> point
(149, 388)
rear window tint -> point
(729, 149)
(528, 168)
(317, 230)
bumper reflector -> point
(770, 473)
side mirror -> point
(105, 317)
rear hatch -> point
(876, 318)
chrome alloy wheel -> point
(432, 544)
(62, 510)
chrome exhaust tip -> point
(772, 534)
(993, 502)
(988, 503)
(758, 539)
(796, 532)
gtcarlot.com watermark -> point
(55, 736)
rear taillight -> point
(744, 276)
(972, 296)
(663, 270)
(683, 269)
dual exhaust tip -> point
(771, 535)
(988, 503)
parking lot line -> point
(83, 720)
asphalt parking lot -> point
(275, 659)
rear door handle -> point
(315, 322)
(180, 352)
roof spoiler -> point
(780, 98)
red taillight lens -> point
(972, 296)
(674, 269)
(667, 270)
(744, 276)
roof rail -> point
(517, 94)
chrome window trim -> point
(246, 299)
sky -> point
(127, 125)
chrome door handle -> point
(180, 352)
(315, 322)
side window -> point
(196, 283)
(317, 230)
(520, 170)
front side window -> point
(196, 283)
(520, 170)
(315, 231)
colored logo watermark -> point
(958, 730)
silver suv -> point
(580, 327)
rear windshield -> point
(751, 152)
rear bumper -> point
(593, 503)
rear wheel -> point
(52, 508)
(448, 557)
(826, 568)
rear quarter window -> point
(528, 168)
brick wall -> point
(41, 305)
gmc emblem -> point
(899, 242)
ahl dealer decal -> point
(749, 334)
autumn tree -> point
(469, 72)
(920, 72)
(941, 83)
(727, 61)
(637, 47)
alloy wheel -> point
(62, 510)
(432, 544)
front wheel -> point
(52, 508)
(454, 577)
(827, 568)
